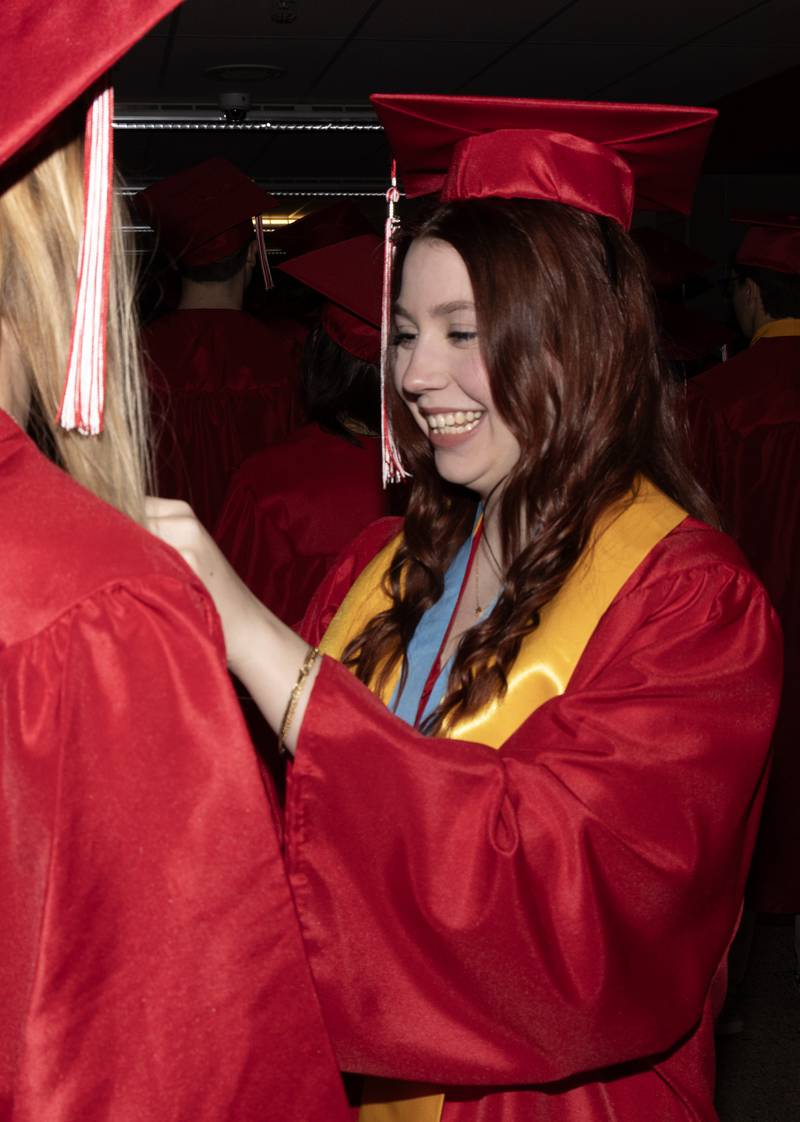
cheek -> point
(473, 378)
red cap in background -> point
(602, 158)
(689, 336)
(204, 213)
(670, 263)
(335, 223)
(772, 242)
(349, 275)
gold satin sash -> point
(777, 329)
(621, 540)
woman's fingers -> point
(175, 523)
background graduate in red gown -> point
(745, 419)
(151, 967)
(225, 383)
(523, 798)
(690, 340)
(292, 508)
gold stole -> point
(620, 541)
(777, 329)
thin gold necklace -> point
(478, 606)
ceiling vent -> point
(245, 72)
(284, 11)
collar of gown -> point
(774, 328)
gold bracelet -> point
(288, 716)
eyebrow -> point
(440, 309)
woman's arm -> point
(263, 653)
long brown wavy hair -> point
(568, 336)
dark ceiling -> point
(327, 57)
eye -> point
(403, 338)
(462, 336)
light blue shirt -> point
(427, 640)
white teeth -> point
(463, 420)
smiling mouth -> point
(452, 424)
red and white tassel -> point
(266, 272)
(393, 470)
(83, 399)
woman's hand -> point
(176, 523)
(263, 653)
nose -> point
(420, 369)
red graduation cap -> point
(670, 263)
(772, 242)
(688, 336)
(204, 213)
(599, 157)
(326, 226)
(54, 51)
(349, 274)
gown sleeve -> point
(170, 983)
(558, 906)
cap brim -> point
(62, 49)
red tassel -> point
(266, 272)
(393, 470)
(83, 399)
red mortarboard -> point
(349, 274)
(598, 157)
(330, 224)
(204, 213)
(688, 336)
(53, 51)
(772, 242)
(670, 263)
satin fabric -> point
(533, 163)
(547, 657)
(52, 53)
(353, 334)
(745, 417)
(225, 385)
(151, 966)
(292, 509)
(662, 144)
(205, 212)
(542, 929)
(771, 247)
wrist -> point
(245, 630)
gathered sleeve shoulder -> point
(328, 598)
(153, 962)
(560, 905)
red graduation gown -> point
(225, 385)
(745, 417)
(151, 966)
(542, 929)
(291, 510)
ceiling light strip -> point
(244, 126)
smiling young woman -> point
(527, 770)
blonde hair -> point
(41, 220)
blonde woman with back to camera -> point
(151, 968)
